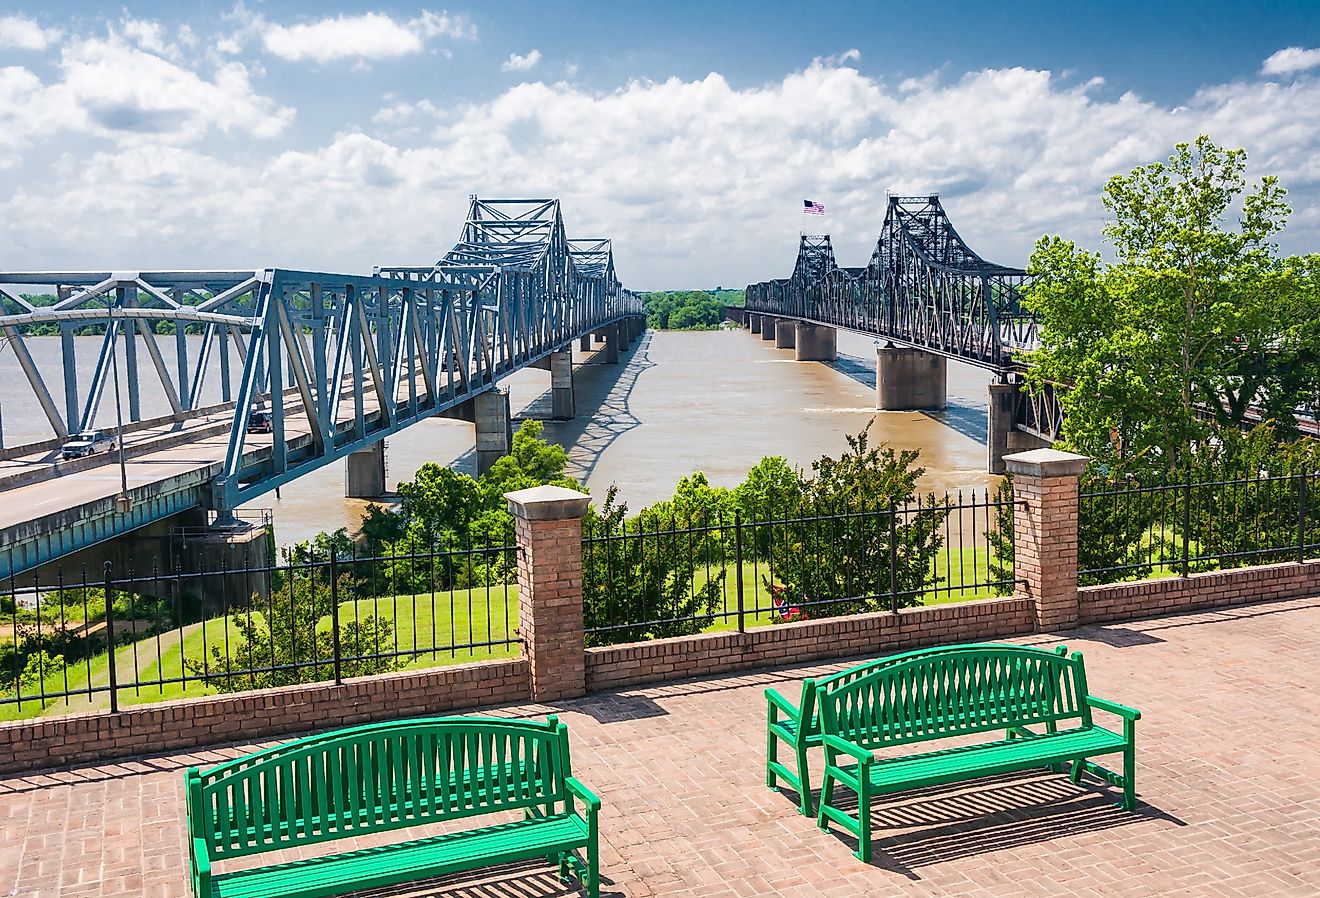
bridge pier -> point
(563, 404)
(907, 379)
(1003, 436)
(754, 322)
(611, 337)
(494, 427)
(364, 474)
(768, 326)
(584, 344)
(785, 334)
(815, 343)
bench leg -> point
(771, 758)
(593, 872)
(864, 819)
(563, 866)
(1130, 778)
(804, 782)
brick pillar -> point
(1045, 532)
(549, 530)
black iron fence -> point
(1129, 531)
(312, 618)
(658, 575)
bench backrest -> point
(809, 707)
(374, 778)
(955, 691)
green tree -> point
(1194, 314)
(640, 578)
(836, 554)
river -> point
(714, 401)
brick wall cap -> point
(1045, 463)
(547, 503)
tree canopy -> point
(689, 309)
(1197, 321)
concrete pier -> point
(611, 338)
(785, 334)
(754, 322)
(907, 379)
(584, 344)
(815, 343)
(561, 385)
(494, 428)
(364, 475)
(1000, 425)
(768, 326)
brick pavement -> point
(1230, 805)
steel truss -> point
(923, 286)
(339, 361)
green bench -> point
(799, 727)
(389, 776)
(1037, 697)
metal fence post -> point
(334, 614)
(1187, 521)
(737, 561)
(893, 556)
(110, 639)
(1301, 517)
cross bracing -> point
(336, 361)
(923, 286)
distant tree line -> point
(689, 310)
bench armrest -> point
(1130, 714)
(838, 743)
(776, 701)
(582, 792)
(201, 872)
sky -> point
(218, 135)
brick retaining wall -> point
(1152, 598)
(839, 637)
(262, 714)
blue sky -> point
(338, 137)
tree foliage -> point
(693, 310)
(1195, 322)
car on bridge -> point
(259, 422)
(89, 442)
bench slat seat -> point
(1036, 698)
(988, 759)
(420, 859)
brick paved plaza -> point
(1227, 747)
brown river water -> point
(678, 402)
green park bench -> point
(389, 776)
(961, 691)
(799, 727)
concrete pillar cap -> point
(547, 503)
(1045, 463)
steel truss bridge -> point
(338, 361)
(923, 287)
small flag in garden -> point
(812, 208)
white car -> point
(88, 442)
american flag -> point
(811, 208)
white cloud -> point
(1291, 60)
(22, 33)
(697, 181)
(147, 35)
(517, 63)
(371, 35)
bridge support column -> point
(611, 335)
(563, 404)
(754, 322)
(364, 477)
(494, 427)
(624, 333)
(584, 345)
(907, 379)
(768, 326)
(785, 334)
(638, 327)
(1000, 426)
(815, 343)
